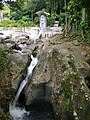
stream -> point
(41, 111)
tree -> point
(65, 17)
(1, 6)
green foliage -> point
(67, 106)
(66, 84)
(16, 15)
(25, 21)
(1, 6)
(36, 20)
(24, 11)
(74, 13)
(62, 19)
(76, 20)
(4, 64)
(6, 92)
(4, 77)
(55, 16)
(66, 87)
(70, 59)
(7, 23)
(4, 116)
(22, 8)
(50, 21)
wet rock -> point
(23, 39)
(16, 47)
(4, 36)
(70, 89)
(60, 76)
(10, 44)
(18, 66)
(3, 46)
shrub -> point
(7, 23)
(4, 64)
(20, 23)
(50, 21)
(36, 20)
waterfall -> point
(13, 109)
(22, 85)
(24, 82)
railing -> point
(19, 29)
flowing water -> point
(42, 111)
(24, 82)
(17, 112)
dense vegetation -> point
(5, 86)
(71, 14)
(4, 64)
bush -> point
(21, 23)
(7, 23)
(50, 21)
(25, 21)
(4, 64)
(6, 91)
(36, 20)
(62, 19)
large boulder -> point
(60, 78)
(19, 56)
(4, 36)
(18, 66)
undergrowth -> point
(6, 92)
(4, 64)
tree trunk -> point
(32, 16)
(89, 18)
(60, 6)
(83, 18)
(65, 2)
(52, 3)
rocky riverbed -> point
(61, 77)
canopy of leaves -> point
(1, 6)
(58, 10)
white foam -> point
(17, 112)
(22, 45)
(32, 65)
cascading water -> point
(16, 112)
(24, 82)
